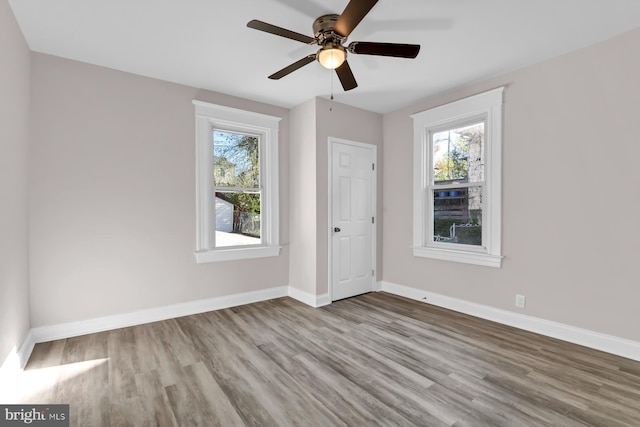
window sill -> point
(236, 254)
(475, 258)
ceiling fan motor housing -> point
(323, 29)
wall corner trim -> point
(584, 337)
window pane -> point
(457, 216)
(458, 155)
(236, 160)
(237, 219)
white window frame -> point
(210, 117)
(485, 107)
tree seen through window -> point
(236, 170)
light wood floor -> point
(375, 359)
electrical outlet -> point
(520, 301)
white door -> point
(352, 225)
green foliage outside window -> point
(236, 167)
(455, 164)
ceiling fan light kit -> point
(330, 33)
(332, 57)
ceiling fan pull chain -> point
(331, 74)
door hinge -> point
(373, 166)
(373, 220)
(373, 272)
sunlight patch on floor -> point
(20, 386)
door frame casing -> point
(374, 208)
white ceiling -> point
(206, 44)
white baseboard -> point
(322, 300)
(39, 334)
(83, 327)
(607, 343)
(619, 346)
(308, 298)
(17, 358)
(24, 352)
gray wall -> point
(14, 145)
(303, 212)
(112, 199)
(312, 123)
(570, 194)
(341, 121)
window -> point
(236, 184)
(457, 181)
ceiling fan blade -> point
(293, 67)
(278, 31)
(355, 11)
(397, 50)
(346, 76)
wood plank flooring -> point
(376, 359)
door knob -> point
(336, 229)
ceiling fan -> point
(331, 32)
